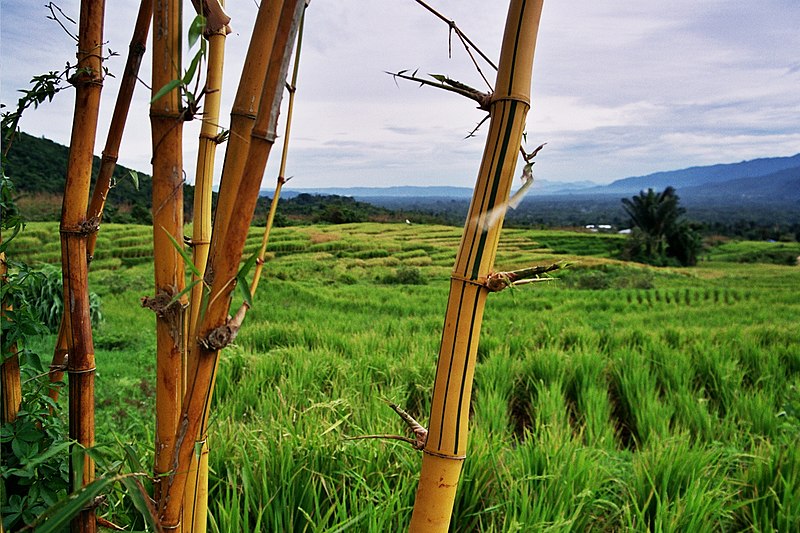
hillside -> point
(783, 185)
(38, 168)
(755, 199)
(756, 170)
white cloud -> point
(619, 88)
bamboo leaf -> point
(58, 518)
(187, 259)
(4, 244)
(187, 290)
(134, 178)
(166, 89)
(196, 29)
(141, 501)
(189, 75)
(241, 277)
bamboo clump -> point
(446, 445)
(75, 229)
(215, 330)
(167, 126)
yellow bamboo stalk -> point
(75, 229)
(446, 445)
(196, 498)
(167, 126)
(10, 380)
(110, 153)
(215, 330)
(273, 206)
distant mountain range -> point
(766, 180)
(771, 176)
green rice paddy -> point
(618, 398)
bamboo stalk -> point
(60, 353)
(284, 156)
(245, 106)
(110, 153)
(446, 446)
(10, 379)
(75, 229)
(196, 497)
(130, 74)
(166, 122)
(215, 330)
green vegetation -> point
(622, 397)
(661, 235)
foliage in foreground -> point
(622, 397)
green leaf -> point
(166, 89)
(58, 518)
(241, 278)
(187, 259)
(187, 290)
(189, 75)
(196, 29)
(6, 240)
(134, 178)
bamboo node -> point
(218, 338)
(164, 304)
(81, 371)
(444, 455)
(518, 97)
(83, 228)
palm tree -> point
(660, 232)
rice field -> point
(617, 398)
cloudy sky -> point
(619, 88)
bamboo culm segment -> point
(446, 446)
(166, 127)
(273, 206)
(245, 107)
(74, 235)
(228, 238)
(10, 379)
(128, 83)
(196, 497)
(108, 163)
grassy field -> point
(619, 398)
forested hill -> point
(37, 167)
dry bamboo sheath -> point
(110, 154)
(215, 331)
(75, 230)
(446, 445)
(167, 125)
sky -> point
(619, 88)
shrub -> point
(405, 276)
